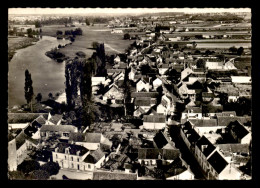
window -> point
(65, 157)
(89, 166)
(56, 156)
(71, 158)
(78, 159)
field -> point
(114, 43)
(15, 43)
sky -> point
(119, 10)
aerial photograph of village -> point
(129, 94)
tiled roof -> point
(73, 149)
(160, 140)
(226, 113)
(209, 146)
(94, 156)
(226, 120)
(193, 109)
(77, 137)
(41, 120)
(154, 118)
(21, 139)
(64, 128)
(143, 101)
(153, 153)
(97, 175)
(217, 162)
(238, 129)
(55, 119)
(204, 122)
(93, 137)
(144, 94)
(234, 147)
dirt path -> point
(108, 46)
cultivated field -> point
(114, 43)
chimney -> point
(203, 147)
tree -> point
(233, 49)
(87, 21)
(240, 51)
(16, 175)
(50, 96)
(126, 36)
(201, 63)
(37, 24)
(58, 32)
(39, 175)
(28, 89)
(51, 167)
(175, 46)
(38, 97)
(94, 45)
(29, 33)
(28, 166)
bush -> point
(81, 54)
(126, 36)
(39, 175)
(28, 166)
(59, 32)
(94, 45)
(51, 167)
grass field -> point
(15, 43)
(114, 43)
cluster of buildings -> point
(168, 86)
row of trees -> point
(31, 170)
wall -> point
(246, 139)
(150, 125)
(12, 159)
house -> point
(61, 131)
(203, 150)
(241, 79)
(189, 136)
(143, 84)
(215, 64)
(153, 95)
(157, 83)
(54, 119)
(91, 141)
(150, 156)
(117, 31)
(110, 72)
(162, 141)
(185, 92)
(70, 156)
(112, 94)
(186, 174)
(205, 126)
(220, 169)
(154, 121)
(18, 148)
(239, 133)
(143, 104)
(163, 68)
(61, 98)
(192, 112)
(94, 160)
(236, 153)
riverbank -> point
(16, 43)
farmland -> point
(114, 43)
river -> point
(47, 74)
